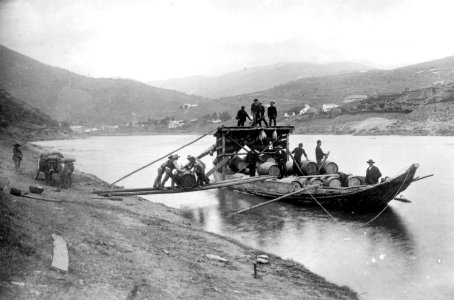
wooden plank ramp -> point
(60, 258)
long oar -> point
(164, 156)
(296, 163)
(420, 178)
(277, 199)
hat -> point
(16, 145)
(370, 161)
(278, 147)
(318, 141)
(242, 107)
(190, 157)
(256, 100)
(174, 156)
(272, 102)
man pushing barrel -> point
(167, 168)
(199, 169)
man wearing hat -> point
(167, 168)
(17, 156)
(255, 111)
(241, 116)
(373, 174)
(272, 113)
(199, 169)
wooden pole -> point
(277, 199)
(323, 162)
(164, 156)
(296, 163)
(420, 178)
(201, 188)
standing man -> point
(251, 159)
(262, 115)
(281, 159)
(272, 113)
(199, 169)
(241, 117)
(255, 110)
(319, 154)
(298, 153)
(17, 157)
(372, 173)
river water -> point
(406, 253)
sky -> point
(157, 39)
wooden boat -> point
(231, 141)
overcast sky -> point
(148, 40)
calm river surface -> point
(406, 253)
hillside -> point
(254, 79)
(66, 96)
(21, 121)
(333, 89)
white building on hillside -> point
(328, 107)
(305, 109)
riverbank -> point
(130, 249)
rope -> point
(322, 207)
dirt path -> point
(130, 249)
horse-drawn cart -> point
(54, 162)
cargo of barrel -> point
(329, 167)
(268, 168)
(185, 180)
(237, 164)
(309, 167)
(267, 158)
(332, 181)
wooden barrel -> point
(185, 180)
(353, 180)
(289, 167)
(267, 158)
(268, 168)
(332, 181)
(329, 167)
(314, 181)
(309, 167)
(236, 164)
(302, 180)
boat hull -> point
(362, 198)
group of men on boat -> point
(258, 114)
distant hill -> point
(254, 79)
(316, 91)
(66, 96)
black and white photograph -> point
(227, 149)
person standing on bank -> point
(319, 154)
(298, 153)
(241, 116)
(373, 174)
(17, 157)
(251, 159)
(255, 111)
(272, 113)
